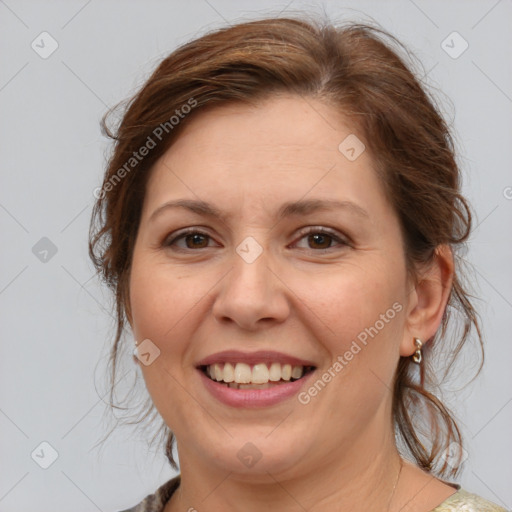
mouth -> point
(254, 376)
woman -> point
(279, 221)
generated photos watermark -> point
(157, 135)
(343, 360)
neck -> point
(359, 478)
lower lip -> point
(251, 398)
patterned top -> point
(461, 501)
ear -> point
(428, 299)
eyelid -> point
(335, 235)
(181, 233)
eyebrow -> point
(290, 208)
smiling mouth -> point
(257, 376)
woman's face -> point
(304, 266)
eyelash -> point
(313, 230)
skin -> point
(302, 296)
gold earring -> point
(417, 357)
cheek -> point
(147, 306)
(168, 307)
(357, 315)
(161, 313)
(158, 301)
(348, 302)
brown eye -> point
(193, 240)
(196, 241)
(321, 239)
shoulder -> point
(464, 501)
(156, 502)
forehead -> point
(284, 146)
(286, 125)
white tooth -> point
(229, 372)
(259, 374)
(297, 372)
(243, 373)
(233, 385)
(286, 371)
(217, 371)
(275, 372)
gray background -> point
(55, 325)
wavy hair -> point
(361, 71)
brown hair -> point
(357, 69)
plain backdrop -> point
(55, 322)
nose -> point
(251, 295)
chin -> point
(250, 457)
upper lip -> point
(261, 356)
